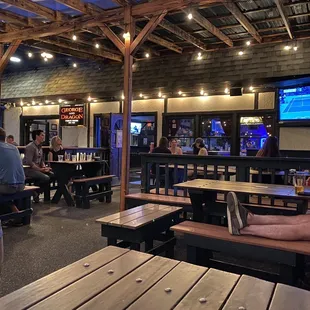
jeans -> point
(40, 179)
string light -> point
(21, 103)
(123, 97)
(74, 65)
(89, 98)
(201, 92)
(287, 47)
(180, 92)
(160, 94)
(199, 57)
(141, 95)
(33, 102)
(30, 55)
(126, 35)
(251, 88)
(190, 16)
(147, 55)
(60, 100)
(46, 101)
(248, 43)
(74, 37)
(97, 45)
(295, 48)
(240, 53)
(226, 90)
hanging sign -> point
(72, 115)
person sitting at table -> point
(10, 140)
(34, 158)
(55, 149)
(280, 227)
(174, 149)
(12, 176)
(199, 147)
(270, 148)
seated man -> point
(12, 177)
(279, 227)
(34, 159)
(10, 140)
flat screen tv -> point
(294, 104)
(135, 128)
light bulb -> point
(89, 98)
(147, 55)
(190, 16)
(287, 47)
(123, 97)
(74, 37)
(141, 95)
(205, 94)
(240, 53)
(97, 45)
(60, 100)
(295, 48)
(126, 35)
(251, 88)
(226, 90)
(180, 92)
(45, 59)
(201, 92)
(74, 65)
(46, 101)
(30, 55)
(21, 103)
(33, 102)
(248, 43)
(159, 94)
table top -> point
(137, 217)
(116, 278)
(242, 187)
(71, 162)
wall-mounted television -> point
(135, 128)
(294, 104)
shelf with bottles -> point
(218, 144)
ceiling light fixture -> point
(15, 59)
(89, 98)
(74, 37)
(240, 53)
(147, 55)
(74, 65)
(251, 88)
(46, 55)
(287, 47)
(226, 90)
(30, 55)
(190, 16)
(180, 92)
(97, 45)
(199, 57)
(248, 43)
(126, 35)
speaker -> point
(236, 91)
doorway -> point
(50, 126)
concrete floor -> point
(57, 236)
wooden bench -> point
(82, 186)
(22, 200)
(142, 224)
(204, 239)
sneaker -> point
(36, 197)
(236, 214)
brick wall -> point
(169, 72)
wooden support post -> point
(128, 61)
(8, 53)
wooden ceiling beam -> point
(203, 22)
(38, 9)
(8, 54)
(146, 31)
(284, 17)
(85, 8)
(182, 34)
(79, 48)
(114, 38)
(234, 10)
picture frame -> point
(53, 126)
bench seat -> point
(204, 239)
(82, 194)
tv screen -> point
(135, 128)
(294, 103)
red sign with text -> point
(72, 115)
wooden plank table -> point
(65, 170)
(142, 224)
(204, 192)
(116, 279)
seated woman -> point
(199, 147)
(269, 149)
(174, 149)
(55, 149)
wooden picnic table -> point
(204, 192)
(115, 278)
(65, 170)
